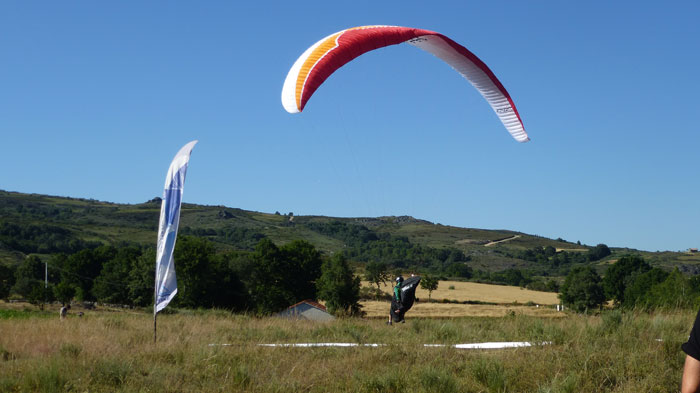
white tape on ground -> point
(487, 345)
(494, 345)
(308, 345)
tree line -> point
(41, 239)
(629, 283)
(556, 258)
(262, 281)
(397, 252)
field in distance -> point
(503, 295)
(380, 309)
(487, 293)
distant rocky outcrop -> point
(408, 220)
(689, 269)
(224, 214)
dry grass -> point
(376, 309)
(113, 352)
(471, 291)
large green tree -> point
(339, 287)
(7, 280)
(582, 290)
(30, 281)
(29, 274)
(196, 273)
(111, 286)
(639, 285)
(40, 294)
(303, 263)
(617, 276)
(82, 268)
(64, 292)
(674, 292)
(142, 279)
(283, 276)
(232, 292)
(598, 252)
(268, 279)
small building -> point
(692, 250)
(306, 309)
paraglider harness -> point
(396, 304)
(404, 296)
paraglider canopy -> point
(408, 292)
(326, 56)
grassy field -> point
(471, 291)
(112, 351)
(378, 309)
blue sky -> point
(97, 97)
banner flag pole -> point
(165, 279)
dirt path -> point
(501, 241)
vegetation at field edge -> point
(113, 352)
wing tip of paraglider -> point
(521, 136)
(289, 102)
(521, 139)
(292, 110)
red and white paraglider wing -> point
(479, 75)
(318, 62)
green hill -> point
(41, 224)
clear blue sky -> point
(97, 97)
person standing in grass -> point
(64, 312)
(691, 370)
(396, 313)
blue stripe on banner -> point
(166, 281)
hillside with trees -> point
(237, 259)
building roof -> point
(306, 309)
(311, 303)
